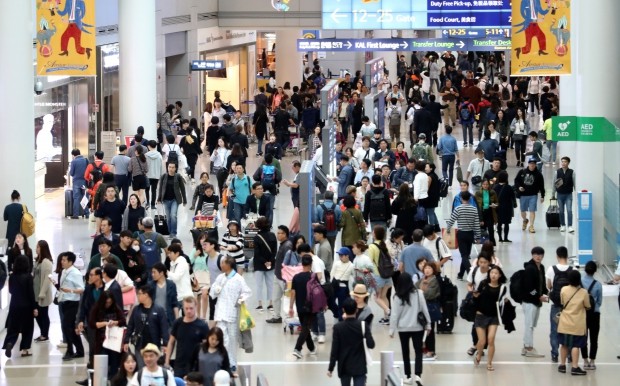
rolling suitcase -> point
(553, 214)
(449, 304)
(161, 224)
(68, 203)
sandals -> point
(471, 351)
(477, 360)
(26, 353)
(532, 229)
(524, 226)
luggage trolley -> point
(294, 145)
(249, 231)
(205, 222)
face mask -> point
(415, 87)
(136, 248)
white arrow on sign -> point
(461, 44)
(335, 16)
(349, 44)
(405, 45)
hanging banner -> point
(541, 37)
(66, 39)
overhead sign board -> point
(207, 65)
(415, 14)
(352, 45)
(584, 129)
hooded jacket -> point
(532, 181)
(153, 160)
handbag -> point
(114, 338)
(556, 317)
(367, 353)
(129, 297)
(434, 310)
(459, 173)
(467, 310)
(475, 180)
(517, 137)
(421, 317)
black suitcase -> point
(446, 324)
(68, 203)
(161, 224)
(553, 214)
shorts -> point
(139, 182)
(484, 321)
(528, 203)
(572, 341)
(381, 282)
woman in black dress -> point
(506, 203)
(405, 208)
(13, 215)
(260, 120)
(21, 309)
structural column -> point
(390, 58)
(137, 75)
(289, 62)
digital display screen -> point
(374, 72)
(415, 14)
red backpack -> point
(329, 218)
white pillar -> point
(289, 62)
(137, 76)
(390, 58)
(17, 91)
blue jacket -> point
(157, 325)
(171, 299)
(318, 215)
(526, 13)
(77, 169)
(344, 179)
(447, 145)
(403, 175)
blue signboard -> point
(377, 45)
(329, 100)
(415, 14)
(374, 72)
(207, 65)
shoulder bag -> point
(556, 317)
(366, 349)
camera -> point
(38, 87)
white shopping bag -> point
(114, 338)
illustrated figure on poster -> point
(44, 36)
(52, 5)
(562, 35)
(74, 10)
(45, 140)
(531, 12)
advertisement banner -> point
(66, 39)
(541, 38)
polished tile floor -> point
(272, 354)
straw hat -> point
(360, 290)
(151, 348)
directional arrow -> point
(461, 44)
(445, 32)
(349, 44)
(336, 16)
(405, 45)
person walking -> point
(78, 182)
(154, 172)
(172, 194)
(190, 144)
(429, 285)
(71, 286)
(408, 305)
(593, 316)
(265, 247)
(350, 337)
(534, 295)
(466, 216)
(13, 216)
(487, 201)
(22, 308)
(120, 162)
(298, 295)
(519, 127)
(529, 182)
(506, 203)
(563, 188)
(43, 289)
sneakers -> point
(554, 358)
(408, 381)
(259, 309)
(313, 352)
(384, 321)
(418, 380)
(270, 308)
(274, 320)
(297, 354)
(562, 369)
(571, 230)
(321, 339)
(429, 356)
(562, 228)
(61, 345)
(589, 365)
(531, 353)
(577, 371)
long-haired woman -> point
(22, 308)
(520, 127)
(43, 288)
(407, 304)
(138, 167)
(383, 284)
(429, 285)
(20, 247)
(133, 213)
(211, 356)
(404, 207)
(106, 313)
(127, 370)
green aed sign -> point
(584, 129)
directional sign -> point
(446, 44)
(207, 65)
(464, 33)
(415, 14)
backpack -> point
(163, 371)
(447, 289)
(444, 187)
(377, 206)
(96, 174)
(590, 310)
(3, 274)
(27, 225)
(150, 250)
(560, 280)
(465, 112)
(329, 218)
(173, 156)
(516, 286)
(505, 92)
(268, 177)
(385, 264)
(419, 151)
(316, 300)
(394, 116)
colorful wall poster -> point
(541, 37)
(66, 38)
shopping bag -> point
(459, 173)
(288, 271)
(129, 297)
(246, 321)
(114, 338)
(450, 238)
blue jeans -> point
(358, 380)
(171, 207)
(432, 217)
(468, 132)
(318, 327)
(565, 199)
(553, 149)
(553, 333)
(259, 149)
(447, 167)
(77, 197)
(238, 211)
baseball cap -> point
(422, 135)
(532, 161)
(344, 251)
(221, 378)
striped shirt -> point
(234, 241)
(467, 218)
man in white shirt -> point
(152, 373)
(368, 128)
(365, 152)
(477, 167)
(561, 268)
(179, 272)
(436, 245)
(364, 171)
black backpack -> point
(385, 264)
(96, 174)
(377, 206)
(505, 92)
(173, 156)
(516, 286)
(447, 289)
(560, 280)
(444, 188)
(590, 310)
